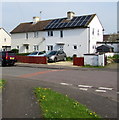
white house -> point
(73, 34)
(5, 40)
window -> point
(61, 33)
(4, 39)
(75, 47)
(26, 35)
(35, 34)
(18, 47)
(93, 31)
(98, 32)
(50, 33)
(35, 47)
(50, 47)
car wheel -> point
(0, 63)
(55, 59)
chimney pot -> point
(70, 15)
(35, 19)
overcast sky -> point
(14, 13)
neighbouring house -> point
(5, 40)
(76, 35)
(110, 40)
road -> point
(96, 89)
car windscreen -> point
(52, 53)
(34, 53)
(40, 53)
(11, 54)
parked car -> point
(37, 54)
(7, 58)
(56, 56)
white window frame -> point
(93, 31)
(36, 34)
(61, 34)
(26, 35)
(50, 33)
(49, 47)
(35, 47)
(74, 47)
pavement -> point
(68, 65)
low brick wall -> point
(78, 61)
(30, 59)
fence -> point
(30, 59)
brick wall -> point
(30, 59)
(78, 61)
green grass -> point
(89, 66)
(2, 83)
(56, 105)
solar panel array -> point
(80, 21)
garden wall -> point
(30, 59)
(79, 61)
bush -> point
(24, 54)
(69, 59)
(114, 59)
(15, 50)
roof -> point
(104, 46)
(111, 37)
(59, 23)
(30, 27)
(5, 31)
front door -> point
(60, 47)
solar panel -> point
(75, 22)
(83, 23)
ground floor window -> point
(50, 47)
(75, 47)
(36, 48)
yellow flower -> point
(90, 113)
(46, 110)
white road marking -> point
(100, 90)
(105, 88)
(85, 89)
(85, 86)
(65, 84)
(117, 92)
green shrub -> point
(24, 54)
(15, 50)
(114, 57)
(69, 58)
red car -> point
(7, 58)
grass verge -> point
(2, 83)
(89, 66)
(56, 105)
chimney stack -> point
(70, 15)
(36, 19)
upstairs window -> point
(27, 36)
(4, 39)
(93, 30)
(35, 34)
(98, 32)
(50, 33)
(61, 34)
